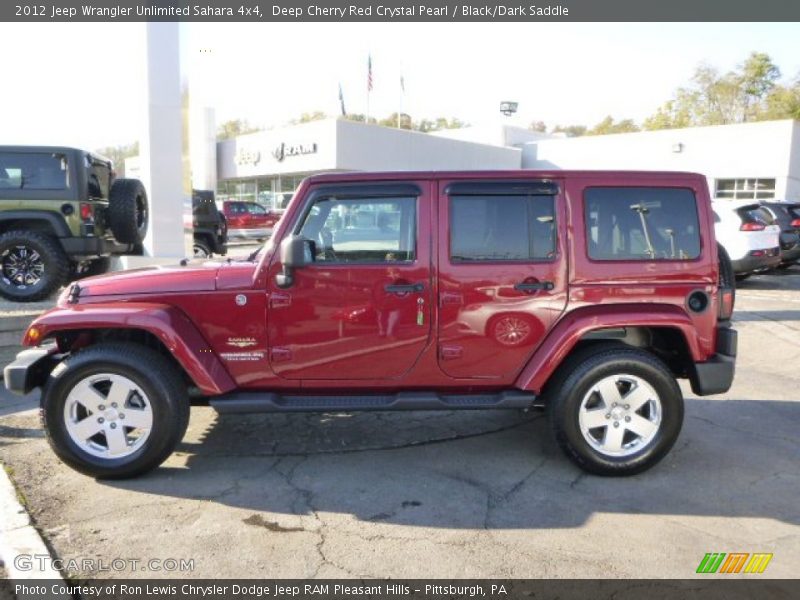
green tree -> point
(538, 126)
(571, 130)
(118, 154)
(748, 93)
(360, 118)
(235, 127)
(782, 102)
(608, 126)
(308, 117)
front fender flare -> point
(574, 325)
(168, 324)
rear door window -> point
(638, 223)
(502, 228)
(33, 171)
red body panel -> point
(576, 323)
(167, 323)
(336, 328)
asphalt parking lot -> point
(446, 494)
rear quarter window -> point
(33, 171)
(641, 223)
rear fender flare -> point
(168, 324)
(566, 334)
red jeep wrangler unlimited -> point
(587, 293)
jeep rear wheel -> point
(32, 265)
(114, 410)
(615, 409)
(128, 212)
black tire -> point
(727, 276)
(575, 379)
(201, 249)
(128, 212)
(743, 276)
(45, 260)
(158, 379)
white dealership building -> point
(747, 161)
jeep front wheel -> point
(114, 410)
(615, 409)
(32, 266)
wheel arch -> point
(161, 326)
(664, 330)
(37, 220)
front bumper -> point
(715, 376)
(30, 369)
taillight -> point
(796, 223)
(87, 212)
(725, 303)
(752, 226)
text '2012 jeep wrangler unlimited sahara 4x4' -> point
(62, 213)
(588, 293)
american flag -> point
(369, 73)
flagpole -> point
(369, 84)
(402, 91)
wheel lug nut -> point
(627, 419)
(113, 426)
(608, 415)
(113, 405)
(101, 407)
(613, 404)
(616, 424)
(101, 420)
(122, 415)
(627, 407)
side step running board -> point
(261, 402)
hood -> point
(153, 280)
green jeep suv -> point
(63, 214)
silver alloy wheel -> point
(200, 252)
(620, 415)
(108, 415)
(23, 266)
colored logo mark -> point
(734, 562)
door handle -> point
(533, 286)
(404, 288)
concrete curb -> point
(19, 538)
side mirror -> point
(296, 252)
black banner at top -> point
(255, 11)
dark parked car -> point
(209, 225)
(787, 217)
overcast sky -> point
(81, 84)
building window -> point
(745, 189)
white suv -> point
(749, 234)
